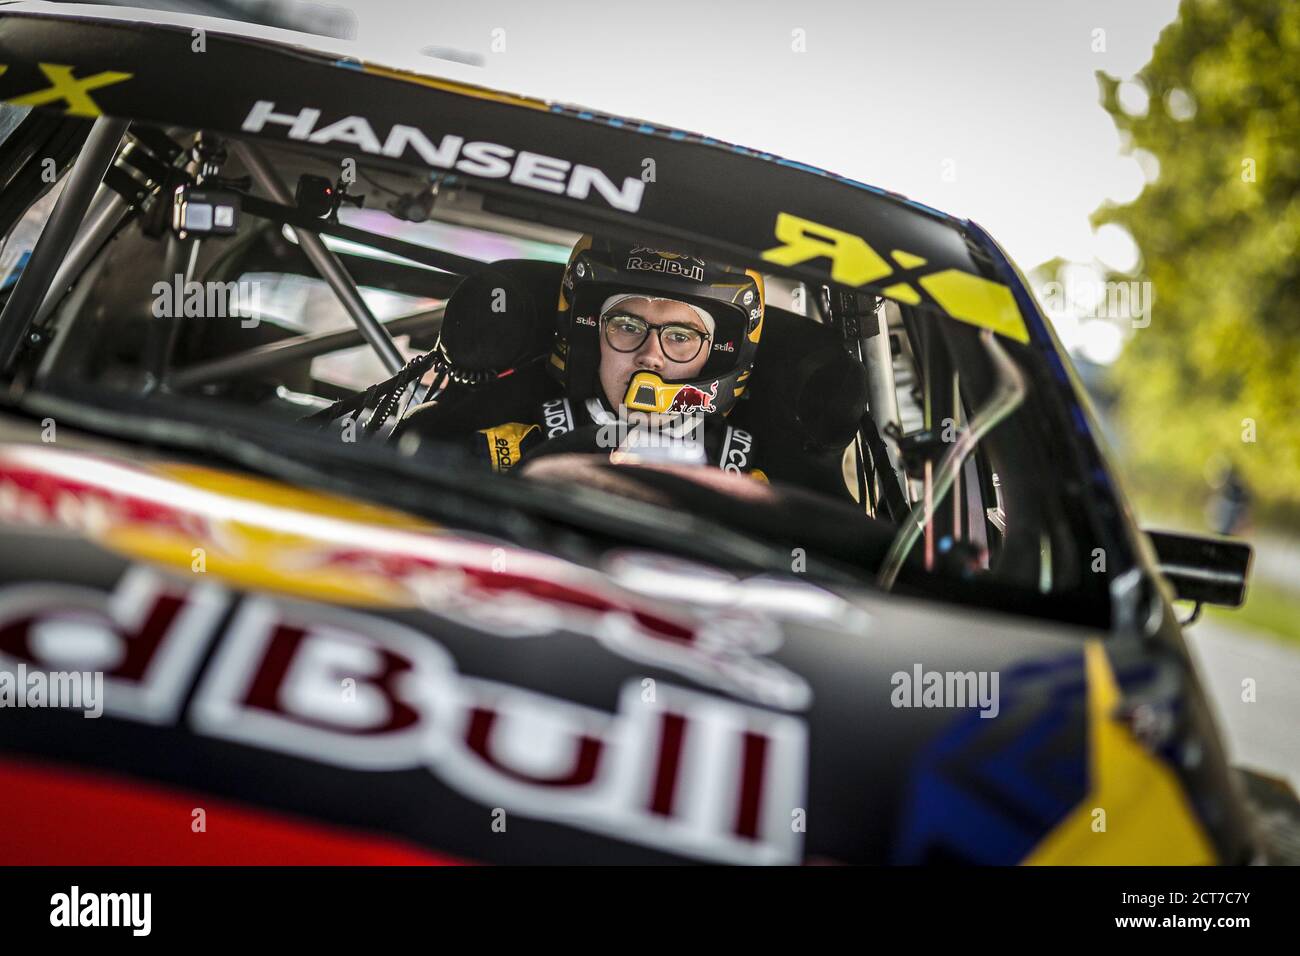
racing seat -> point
(804, 402)
(496, 334)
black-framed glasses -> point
(627, 333)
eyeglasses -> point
(627, 333)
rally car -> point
(322, 542)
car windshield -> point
(441, 326)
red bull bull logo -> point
(692, 399)
(647, 392)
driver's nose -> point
(650, 356)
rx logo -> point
(965, 297)
(67, 88)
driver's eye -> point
(680, 336)
(628, 325)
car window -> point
(11, 118)
(836, 440)
(21, 240)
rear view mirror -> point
(1203, 569)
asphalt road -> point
(1263, 734)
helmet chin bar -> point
(647, 392)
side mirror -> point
(1203, 569)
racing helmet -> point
(599, 269)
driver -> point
(653, 348)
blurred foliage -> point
(1219, 232)
(1269, 610)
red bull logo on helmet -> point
(664, 253)
(644, 259)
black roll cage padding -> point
(890, 489)
(852, 337)
(846, 318)
(131, 190)
(158, 142)
(842, 322)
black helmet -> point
(599, 268)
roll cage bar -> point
(60, 231)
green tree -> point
(1219, 232)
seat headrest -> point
(805, 382)
(501, 316)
